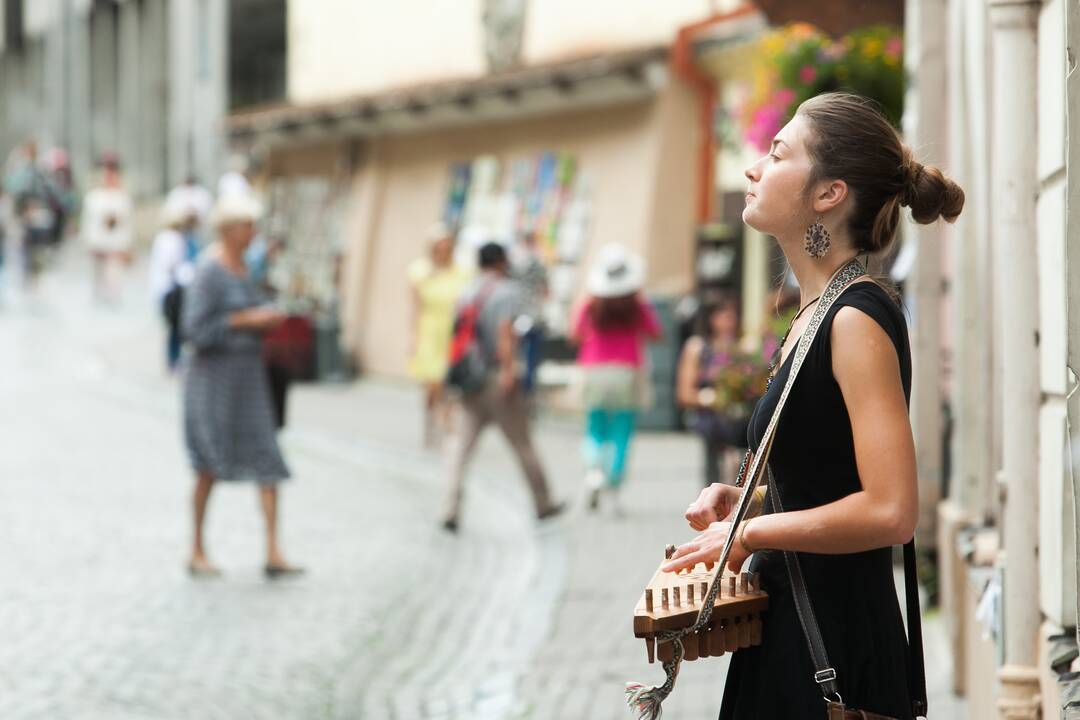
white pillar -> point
(81, 145)
(1072, 265)
(924, 127)
(56, 69)
(103, 91)
(198, 82)
(153, 92)
(129, 102)
(1014, 191)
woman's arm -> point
(884, 512)
(686, 390)
(414, 319)
(578, 319)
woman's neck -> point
(721, 342)
(813, 274)
(232, 258)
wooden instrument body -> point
(671, 602)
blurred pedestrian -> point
(436, 284)
(706, 354)
(228, 417)
(494, 301)
(531, 271)
(190, 193)
(611, 328)
(64, 199)
(236, 180)
(171, 270)
(108, 228)
(33, 206)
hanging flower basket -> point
(797, 62)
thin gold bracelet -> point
(742, 538)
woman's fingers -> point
(689, 560)
(684, 549)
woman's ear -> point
(829, 195)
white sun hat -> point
(615, 272)
(236, 207)
(176, 212)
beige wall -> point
(349, 47)
(638, 159)
(565, 28)
(339, 48)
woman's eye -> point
(774, 156)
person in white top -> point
(193, 195)
(234, 181)
(172, 266)
(108, 228)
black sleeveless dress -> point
(813, 461)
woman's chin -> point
(748, 217)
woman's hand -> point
(257, 318)
(716, 502)
(707, 548)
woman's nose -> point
(751, 173)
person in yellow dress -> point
(437, 283)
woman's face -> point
(724, 322)
(775, 200)
(238, 234)
(442, 251)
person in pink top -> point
(611, 327)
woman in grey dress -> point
(228, 417)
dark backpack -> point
(467, 371)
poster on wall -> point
(305, 215)
(505, 201)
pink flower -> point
(765, 124)
(783, 98)
(807, 74)
(894, 47)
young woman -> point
(611, 328)
(436, 283)
(228, 417)
(108, 228)
(843, 455)
(703, 357)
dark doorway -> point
(258, 39)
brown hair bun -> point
(930, 194)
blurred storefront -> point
(583, 148)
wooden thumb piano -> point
(672, 602)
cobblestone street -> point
(393, 620)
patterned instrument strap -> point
(647, 701)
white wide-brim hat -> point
(236, 207)
(615, 272)
(176, 212)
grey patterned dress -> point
(228, 417)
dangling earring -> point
(818, 241)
